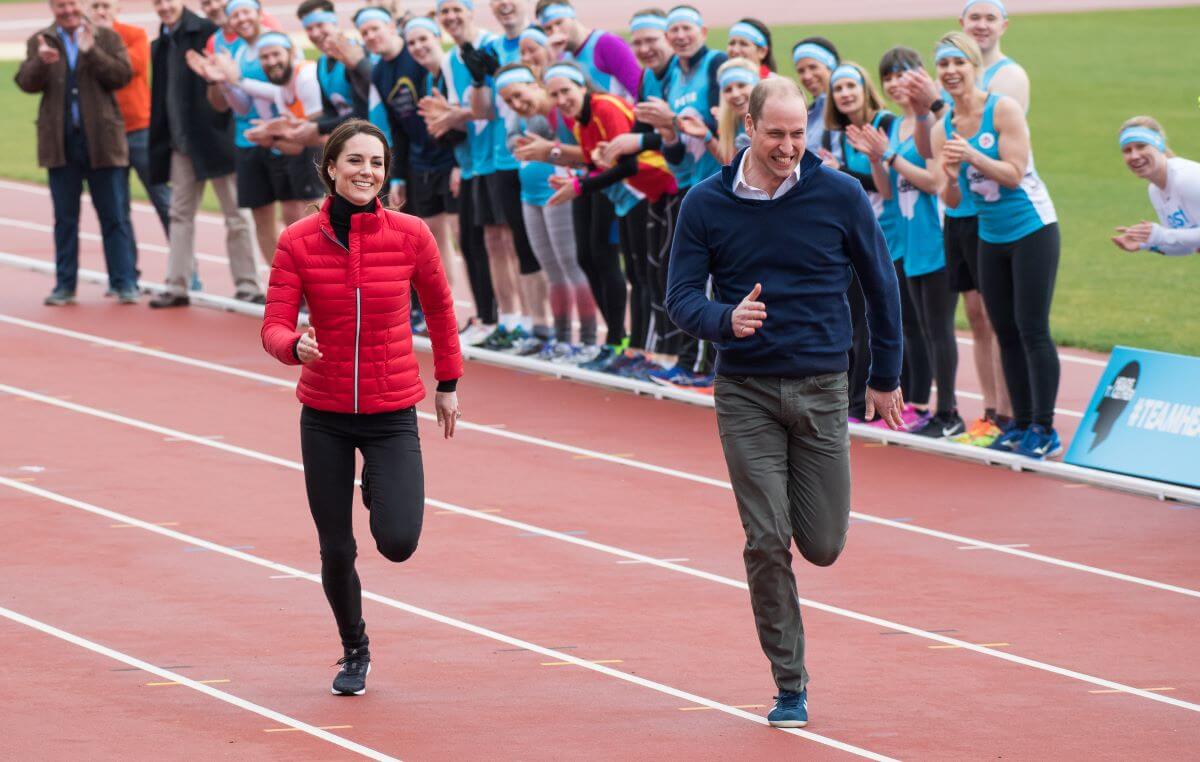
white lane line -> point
(138, 206)
(593, 454)
(609, 549)
(196, 685)
(152, 247)
(976, 547)
(558, 656)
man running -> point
(781, 324)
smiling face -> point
(985, 24)
(534, 55)
(777, 140)
(814, 76)
(740, 47)
(425, 48)
(67, 13)
(686, 38)
(169, 11)
(1143, 159)
(956, 75)
(566, 95)
(848, 96)
(104, 12)
(510, 14)
(245, 22)
(456, 19)
(319, 32)
(379, 36)
(525, 98)
(891, 86)
(736, 95)
(276, 62)
(214, 10)
(358, 171)
(651, 48)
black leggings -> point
(594, 218)
(934, 299)
(916, 377)
(474, 252)
(860, 351)
(634, 243)
(1017, 282)
(391, 451)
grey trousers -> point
(788, 450)
(186, 192)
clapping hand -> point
(627, 143)
(871, 141)
(957, 150)
(920, 89)
(828, 159)
(565, 190)
(85, 38)
(691, 124)
(748, 316)
(47, 53)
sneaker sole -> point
(336, 692)
(787, 723)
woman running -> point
(1174, 192)
(983, 148)
(855, 107)
(357, 264)
(551, 230)
(751, 39)
(814, 59)
(737, 78)
(915, 189)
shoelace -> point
(354, 662)
(788, 700)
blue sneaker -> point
(1010, 440)
(600, 360)
(791, 710)
(1039, 443)
(196, 285)
(673, 375)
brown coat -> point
(99, 72)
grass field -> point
(1090, 72)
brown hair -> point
(541, 5)
(337, 141)
(1149, 123)
(966, 43)
(872, 103)
(308, 6)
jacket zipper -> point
(357, 321)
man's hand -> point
(86, 36)
(532, 147)
(654, 112)
(888, 405)
(1131, 238)
(47, 53)
(748, 316)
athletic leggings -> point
(1017, 282)
(594, 217)
(916, 377)
(551, 232)
(391, 450)
(474, 252)
(693, 354)
(860, 351)
(634, 243)
(934, 299)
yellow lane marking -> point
(291, 730)
(1140, 689)
(206, 682)
(984, 645)
(572, 664)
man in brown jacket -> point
(77, 66)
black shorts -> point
(429, 194)
(264, 177)
(960, 240)
(498, 202)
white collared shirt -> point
(742, 189)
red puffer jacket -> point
(358, 301)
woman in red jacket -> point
(355, 263)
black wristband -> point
(448, 387)
(937, 105)
(296, 348)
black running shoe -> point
(366, 488)
(942, 425)
(351, 680)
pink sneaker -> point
(914, 418)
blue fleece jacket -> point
(800, 247)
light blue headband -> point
(816, 53)
(949, 51)
(646, 21)
(555, 12)
(567, 72)
(514, 77)
(368, 15)
(997, 3)
(1139, 134)
(319, 17)
(468, 4)
(423, 22)
(272, 39)
(735, 74)
(846, 72)
(537, 35)
(684, 16)
(748, 32)
(233, 5)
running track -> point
(579, 586)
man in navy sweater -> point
(778, 233)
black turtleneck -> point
(340, 212)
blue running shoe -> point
(1010, 440)
(620, 361)
(196, 285)
(791, 710)
(673, 375)
(601, 360)
(1039, 443)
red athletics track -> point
(898, 694)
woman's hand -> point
(1131, 238)
(531, 147)
(958, 151)
(306, 347)
(448, 413)
(691, 124)
(828, 159)
(871, 141)
(629, 142)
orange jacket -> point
(134, 98)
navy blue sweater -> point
(800, 247)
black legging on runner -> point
(916, 377)
(391, 450)
(633, 249)
(935, 300)
(1017, 282)
(860, 353)
(475, 256)
(594, 218)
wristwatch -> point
(556, 151)
(937, 106)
